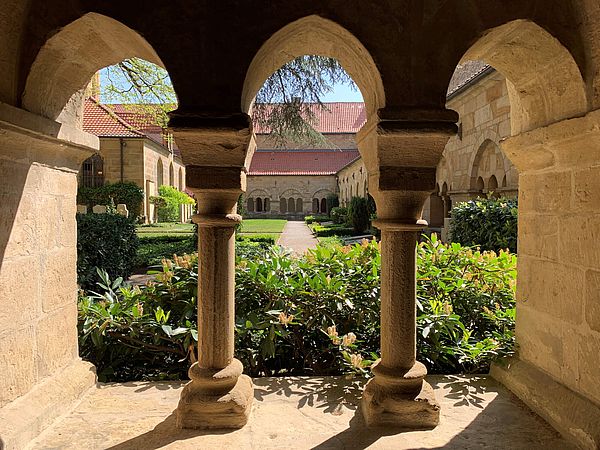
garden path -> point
(298, 237)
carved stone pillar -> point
(218, 395)
(401, 178)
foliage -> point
(106, 241)
(153, 249)
(129, 193)
(315, 219)
(358, 214)
(241, 205)
(466, 306)
(282, 105)
(144, 87)
(339, 214)
(317, 314)
(264, 238)
(168, 201)
(133, 333)
(330, 230)
(333, 201)
(490, 224)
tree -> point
(282, 105)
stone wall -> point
(474, 154)
(276, 187)
(39, 362)
(353, 182)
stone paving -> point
(297, 236)
(300, 413)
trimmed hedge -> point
(358, 214)
(105, 241)
(129, 193)
(490, 224)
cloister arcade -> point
(401, 56)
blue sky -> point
(343, 93)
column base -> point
(205, 404)
(400, 400)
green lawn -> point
(263, 226)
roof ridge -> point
(115, 116)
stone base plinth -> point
(200, 408)
(400, 410)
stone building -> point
(401, 55)
(130, 151)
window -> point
(92, 172)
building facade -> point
(129, 153)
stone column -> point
(216, 150)
(401, 178)
(218, 395)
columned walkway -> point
(297, 236)
(300, 413)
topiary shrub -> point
(490, 224)
(129, 193)
(358, 214)
(333, 201)
(339, 215)
(168, 201)
(104, 241)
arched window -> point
(250, 205)
(282, 205)
(299, 205)
(171, 175)
(492, 183)
(181, 188)
(267, 204)
(92, 172)
(259, 205)
(159, 173)
(291, 205)
(480, 185)
(315, 205)
(324, 205)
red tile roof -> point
(301, 162)
(116, 120)
(101, 121)
(340, 117)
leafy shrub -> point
(333, 201)
(264, 238)
(129, 193)
(168, 201)
(153, 249)
(317, 218)
(339, 215)
(317, 314)
(335, 230)
(105, 241)
(490, 224)
(358, 214)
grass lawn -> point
(263, 226)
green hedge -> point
(153, 249)
(316, 218)
(105, 241)
(339, 214)
(129, 193)
(335, 230)
(490, 224)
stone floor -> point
(297, 236)
(300, 413)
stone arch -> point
(69, 59)
(181, 187)
(315, 205)
(259, 204)
(250, 204)
(492, 184)
(291, 205)
(171, 175)
(548, 88)
(299, 205)
(267, 204)
(480, 185)
(488, 161)
(314, 35)
(282, 205)
(159, 173)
